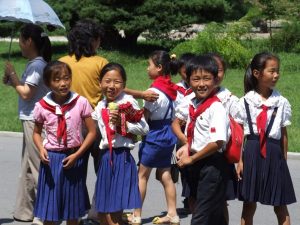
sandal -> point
(127, 217)
(136, 220)
(171, 220)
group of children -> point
(193, 114)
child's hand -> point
(239, 170)
(150, 96)
(184, 161)
(9, 69)
(114, 117)
(44, 156)
(183, 151)
(69, 161)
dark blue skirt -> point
(157, 146)
(117, 183)
(62, 193)
(265, 180)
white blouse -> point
(140, 128)
(158, 108)
(282, 118)
(211, 126)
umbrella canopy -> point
(29, 11)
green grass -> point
(135, 63)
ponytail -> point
(39, 38)
(250, 81)
(168, 64)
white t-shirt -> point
(33, 75)
(211, 126)
(282, 118)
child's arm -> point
(284, 141)
(209, 149)
(38, 141)
(90, 137)
(176, 127)
(25, 91)
(147, 95)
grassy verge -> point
(135, 65)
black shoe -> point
(88, 222)
(19, 220)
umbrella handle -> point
(11, 37)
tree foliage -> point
(136, 16)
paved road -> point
(10, 154)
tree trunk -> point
(130, 39)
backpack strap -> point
(271, 121)
(248, 117)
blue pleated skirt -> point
(157, 146)
(62, 193)
(117, 183)
(265, 180)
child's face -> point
(112, 85)
(153, 70)
(221, 72)
(24, 45)
(182, 72)
(202, 83)
(270, 75)
(60, 83)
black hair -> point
(160, 57)
(39, 38)
(202, 62)
(184, 59)
(257, 63)
(53, 68)
(81, 37)
(220, 58)
(113, 66)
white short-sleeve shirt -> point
(255, 101)
(140, 128)
(211, 126)
(159, 108)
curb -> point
(291, 155)
(11, 134)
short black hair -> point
(53, 68)
(202, 62)
(113, 66)
(81, 37)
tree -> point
(136, 16)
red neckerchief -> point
(194, 114)
(261, 122)
(182, 90)
(62, 125)
(164, 84)
(109, 132)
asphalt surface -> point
(155, 205)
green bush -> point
(288, 38)
(220, 39)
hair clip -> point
(173, 56)
(44, 34)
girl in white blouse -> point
(262, 171)
(119, 119)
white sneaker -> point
(37, 221)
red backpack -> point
(234, 145)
